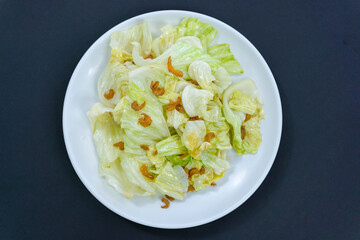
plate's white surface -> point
(238, 184)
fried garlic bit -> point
(170, 108)
(180, 109)
(202, 170)
(195, 118)
(171, 69)
(175, 105)
(213, 184)
(119, 145)
(170, 198)
(184, 156)
(166, 202)
(109, 94)
(154, 85)
(194, 82)
(191, 188)
(149, 56)
(209, 136)
(243, 132)
(192, 172)
(145, 121)
(178, 101)
(159, 92)
(155, 89)
(137, 107)
(145, 173)
(145, 147)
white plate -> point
(238, 184)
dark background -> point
(313, 188)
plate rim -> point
(205, 220)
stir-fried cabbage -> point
(182, 54)
(162, 43)
(195, 101)
(172, 181)
(167, 112)
(242, 100)
(223, 53)
(222, 80)
(194, 27)
(158, 128)
(201, 72)
(171, 146)
(115, 77)
(106, 133)
(214, 159)
(176, 119)
(121, 42)
(116, 177)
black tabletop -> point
(313, 188)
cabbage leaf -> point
(121, 42)
(239, 99)
(227, 59)
(172, 181)
(194, 27)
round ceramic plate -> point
(240, 181)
